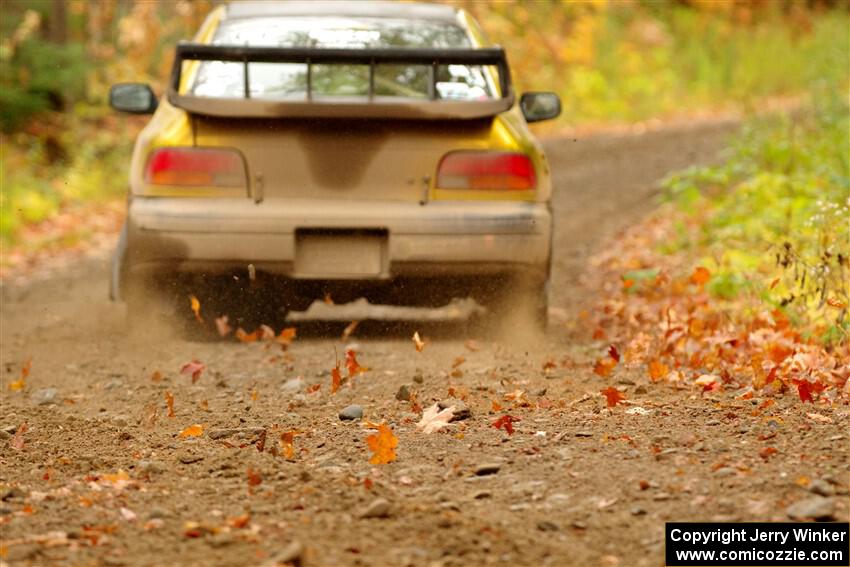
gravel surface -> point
(100, 474)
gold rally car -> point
(363, 149)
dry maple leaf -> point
(204, 405)
(614, 353)
(506, 422)
(286, 336)
(472, 345)
(495, 406)
(239, 522)
(458, 361)
(657, 370)
(700, 276)
(254, 477)
(604, 366)
(352, 365)
(195, 368)
(223, 326)
(767, 452)
(17, 441)
(287, 444)
(613, 396)
(418, 342)
(244, 337)
(169, 401)
(382, 444)
(805, 389)
(156, 376)
(336, 378)
(196, 308)
(20, 383)
(433, 419)
(195, 430)
(349, 330)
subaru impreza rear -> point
(309, 149)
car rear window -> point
(289, 80)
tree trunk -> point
(58, 22)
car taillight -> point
(196, 167)
(486, 170)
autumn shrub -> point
(773, 218)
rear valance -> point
(369, 106)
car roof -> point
(361, 8)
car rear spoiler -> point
(370, 106)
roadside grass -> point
(741, 279)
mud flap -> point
(117, 268)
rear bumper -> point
(439, 238)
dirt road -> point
(100, 480)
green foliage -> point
(777, 211)
(39, 76)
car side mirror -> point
(539, 106)
(135, 98)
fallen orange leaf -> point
(382, 444)
(195, 368)
(612, 395)
(244, 337)
(169, 401)
(352, 365)
(286, 336)
(20, 383)
(700, 276)
(193, 431)
(417, 342)
(604, 366)
(196, 308)
(287, 443)
(349, 329)
(657, 370)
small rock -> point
(579, 525)
(815, 508)
(158, 513)
(22, 552)
(726, 471)
(10, 429)
(661, 496)
(351, 412)
(403, 394)
(120, 420)
(379, 508)
(487, 469)
(189, 458)
(547, 526)
(151, 466)
(482, 494)
(461, 410)
(12, 493)
(298, 400)
(418, 378)
(637, 511)
(4, 435)
(292, 554)
(222, 539)
(222, 433)
(584, 434)
(821, 487)
(293, 385)
(640, 389)
(44, 396)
